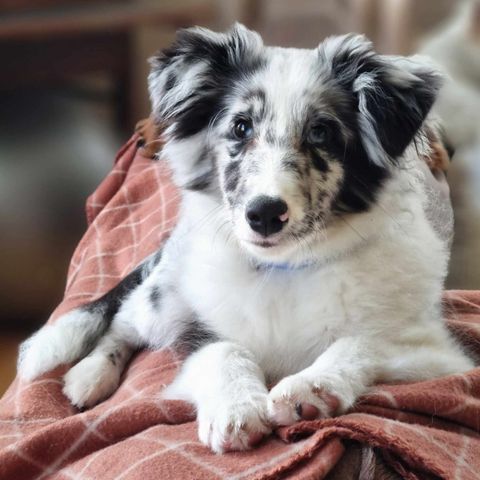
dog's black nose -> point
(267, 215)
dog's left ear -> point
(189, 80)
(189, 85)
(393, 94)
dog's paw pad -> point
(307, 411)
(296, 398)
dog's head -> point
(288, 140)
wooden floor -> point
(8, 357)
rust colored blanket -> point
(423, 430)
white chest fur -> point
(287, 318)
(283, 317)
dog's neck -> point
(285, 266)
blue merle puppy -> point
(304, 255)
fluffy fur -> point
(340, 290)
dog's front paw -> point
(234, 424)
(299, 398)
(40, 353)
(91, 380)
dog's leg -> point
(417, 363)
(330, 385)
(228, 390)
(351, 365)
(153, 315)
(68, 339)
(74, 334)
(97, 375)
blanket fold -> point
(423, 430)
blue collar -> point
(285, 267)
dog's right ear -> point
(188, 81)
(393, 94)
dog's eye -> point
(319, 135)
(242, 129)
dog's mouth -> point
(259, 243)
(268, 240)
(263, 243)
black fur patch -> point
(227, 58)
(195, 335)
(202, 182)
(333, 145)
(109, 303)
(361, 183)
(363, 179)
(257, 114)
(198, 115)
(270, 137)
(155, 259)
(293, 166)
(235, 148)
(206, 165)
(113, 359)
(231, 176)
(318, 161)
(112, 300)
(397, 108)
(398, 116)
(155, 297)
(171, 81)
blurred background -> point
(73, 84)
